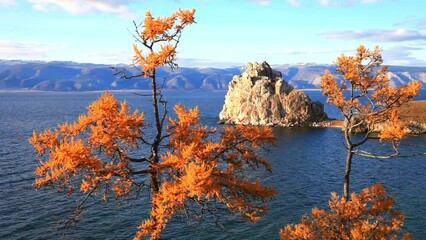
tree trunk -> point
(349, 154)
(157, 139)
(347, 173)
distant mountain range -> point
(71, 76)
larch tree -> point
(368, 215)
(368, 104)
(186, 169)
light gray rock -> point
(259, 96)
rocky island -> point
(260, 96)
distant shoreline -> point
(94, 91)
(142, 90)
(413, 112)
(136, 90)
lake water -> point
(307, 163)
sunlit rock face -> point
(260, 96)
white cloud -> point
(117, 7)
(421, 23)
(261, 2)
(26, 50)
(369, 1)
(286, 52)
(329, 3)
(7, 2)
(335, 3)
(325, 2)
(403, 56)
(106, 57)
(418, 23)
(296, 3)
(197, 62)
(378, 35)
(14, 50)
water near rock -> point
(260, 96)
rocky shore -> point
(412, 113)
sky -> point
(227, 33)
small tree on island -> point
(185, 168)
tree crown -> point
(370, 97)
(368, 215)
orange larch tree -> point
(367, 215)
(369, 105)
(186, 166)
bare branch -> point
(144, 141)
(143, 159)
(365, 139)
(78, 211)
(122, 73)
(144, 171)
(372, 155)
(165, 136)
(396, 154)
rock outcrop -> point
(412, 113)
(260, 96)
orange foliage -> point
(368, 81)
(165, 30)
(393, 130)
(368, 215)
(199, 169)
(92, 153)
(73, 149)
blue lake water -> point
(308, 164)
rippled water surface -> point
(307, 165)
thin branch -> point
(397, 154)
(136, 37)
(165, 136)
(164, 103)
(144, 141)
(365, 139)
(144, 171)
(144, 95)
(85, 199)
(372, 155)
(143, 159)
(73, 218)
(123, 75)
(412, 145)
(413, 155)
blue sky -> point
(227, 33)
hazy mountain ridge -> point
(71, 76)
(308, 75)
